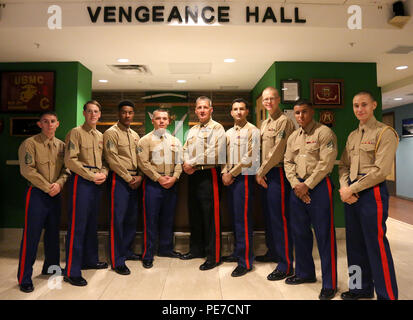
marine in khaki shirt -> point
(243, 149)
(364, 165)
(205, 144)
(310, 154)
(160, 154)
(120, 149)
(84, 153)
(41, 162)
(368, 156)
(308, 160)
(160, 158)
(275, 131)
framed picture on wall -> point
(27, 91)
(290, 91)
(24, 126)
(327, 93)
(407, 127)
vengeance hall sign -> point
(190, 14)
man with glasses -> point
(275, 131)
(84, 148)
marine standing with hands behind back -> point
(41, 159)
(120, 148)
(365, 163)
(83, 156)
(275, 131)
(308, 161)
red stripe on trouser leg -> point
(23, 257)
(72, 231)
(380, 235)
(216, 215)
(144, 218)
(112, 220)
(333, 254)
(284, 219)
(247, 244)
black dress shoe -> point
(348, 295)
(240, 271)
(265, 258)
(230, 258)
(327, 294)
(134, 257)
(147, 264)
(297, 280)
(99, 265)
(172, 254)
(207, 265)
(75, 281)
(26, 287)
(278, 275)
(123, 270)
(189, 256)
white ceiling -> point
(255, 48)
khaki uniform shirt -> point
(365, 159)
(310, 155)
(160, 155)
(205, 145)
(84, 148)
(243, 150)
(42, 161)
(120, 148)
(274, 134)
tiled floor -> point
(173, 279)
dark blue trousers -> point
(367, 244)
(41, 211)
(123, 219)
(320, 214)
(81, 242)
(159, 206)
(240, 203)
(277, 219)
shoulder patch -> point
(110, 144)
(282, 134)
(28, 158)
(330, 144)
(71, 145)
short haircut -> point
(97, 104)
(303, 102)
(367, 93)
(204, 98)
(162, 110)
(272, 89)
(240, 100)
(126, 103)
(49, 112)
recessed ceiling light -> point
(229, 60)
(102, 80)
(181, 81)
(398, 99)
(401, 67)
(123, 60)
